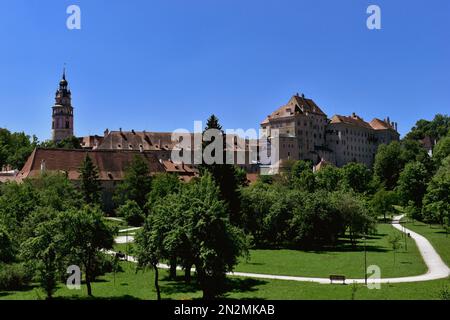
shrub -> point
(13, 277)
(132, 213)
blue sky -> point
(158, 65)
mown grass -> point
(132, 285)
(344, 260)
(436, 235)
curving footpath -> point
(437, 269)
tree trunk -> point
(187, 274)
(173, 269)
(88, 285)
(158, 291)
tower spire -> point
(64, 72)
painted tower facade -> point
(62, 115)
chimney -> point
(132, 130)
(141, 148)
(106, 132)
(303, 95)
(43, 166)
(120, 129)
(388, 121)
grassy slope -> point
(345, 262)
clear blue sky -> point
(158, 65)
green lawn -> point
(123, 247)
(132, 285)
(436, 235)
(346, 260)
(139, 285)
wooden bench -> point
(337, 278)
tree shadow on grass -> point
(94, 298)
(169, 287)
(243, 285)
(5, 293)
(232, 285)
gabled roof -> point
(353, 120)
(111, 164)
(378, 124)
(132, 140)
(297, 104)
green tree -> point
(412, 183)
(435, 129)
(69, 143)
(17, 201)
(328, 178)
(413, 151)
(357, 218)
(306, 181)
(216, 243)
(83, 235)
(227, 176)
(162, 185)
(42, 252)
(55, 190)
(395, 242)
(356, 177)
(149, 248)
(436, 203)
(299, 167)
(441, 151)
(388, 164)
(316, 222)
(132, 213)
(257, 200)
(90, 183)
(6, 246)
(136, 185)
(15, 148)
(383, 201)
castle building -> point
(304, 132)
(352, 139)
(301, 128)
(62, 114)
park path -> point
(437, 269)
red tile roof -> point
(378, 124)
(352, 120)
(304, 106)
(135, 140)
(111, 164)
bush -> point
(6, 246)
(132, 213)
(13, 277)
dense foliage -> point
(15, 148)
